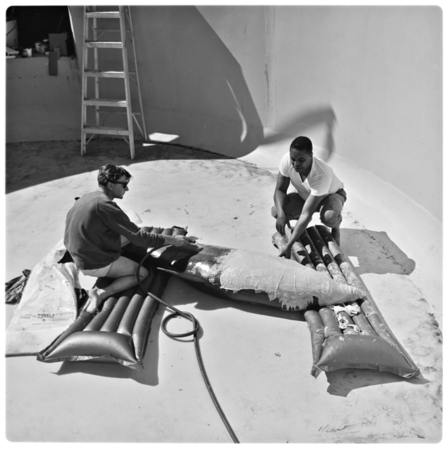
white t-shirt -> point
(320, 181)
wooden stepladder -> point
(104, 30)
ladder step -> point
(106, 73)
(103, 14)
(99, 44)
(121, 112)
(106, 130)
(105, 102)
(108, 30)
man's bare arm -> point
(281, 189)
(310, 206)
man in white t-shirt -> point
(318, 189)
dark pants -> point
(330, 208)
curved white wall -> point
(380, 71)
(364, 83)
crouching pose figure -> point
(317, 187)
(97, 228)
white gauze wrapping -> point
(292, 284)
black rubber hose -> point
(196, 326)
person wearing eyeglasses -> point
(97, 228)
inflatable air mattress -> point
(119, 331)
(352, 335)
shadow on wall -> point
(375, 252)
(191, 78)
(207, 82)
(192, 82)
(301, 124)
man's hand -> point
(281, 223)
(181, 241)
(94, 301)
(285, 252)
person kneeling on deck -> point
(318, 189)
(96, 228)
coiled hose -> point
(196, 326)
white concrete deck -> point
(258, 359)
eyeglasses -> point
(123, 183)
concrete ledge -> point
(41, 106)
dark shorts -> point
(330, 208)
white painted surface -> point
(257, 359)
(231, 80)
(364, 82)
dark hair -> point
(109, 172)
(302, 143)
